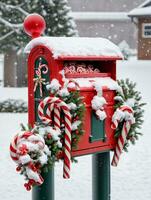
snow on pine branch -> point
(6, 35)
(10, 25)
(20, 9)
(14, 7)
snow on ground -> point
(13, 93)
(130, 180)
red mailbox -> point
(83, 60)
(91, 63)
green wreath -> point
(129, 95)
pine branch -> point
(10, 25)
(130, 92)
(6, 35)
(15, 8)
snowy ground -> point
(130, 180)
(13, 93)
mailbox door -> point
(98, 134)
(41, 87)
(40, 54)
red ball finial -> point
(34, 25)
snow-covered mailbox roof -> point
(84, 64)
(68, 47)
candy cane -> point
(13, 149)
(129, 120)
(57, 117)
(58, 106)
(40, 80)
(19, 152)
(43, 66)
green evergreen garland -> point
(130, 92)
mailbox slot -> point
(101, 68)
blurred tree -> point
(12, 13)
(13, 39)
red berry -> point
(59, 155)
(49, 136)
(27, 186)
(18, 168)
(74, 140)
(31, 182)
(32, 166)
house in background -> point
(106, 18)
(141, 16)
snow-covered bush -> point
(13, 105)
(126, 50)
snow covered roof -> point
(62, 47)
(100, 16)
(145, 4)
(140, 11)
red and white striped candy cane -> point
(20, 139)
(125, 130)
(39, 81)
(19, 149)
(46, 118)
(57, 117)
(58, 106)
(13, 149)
